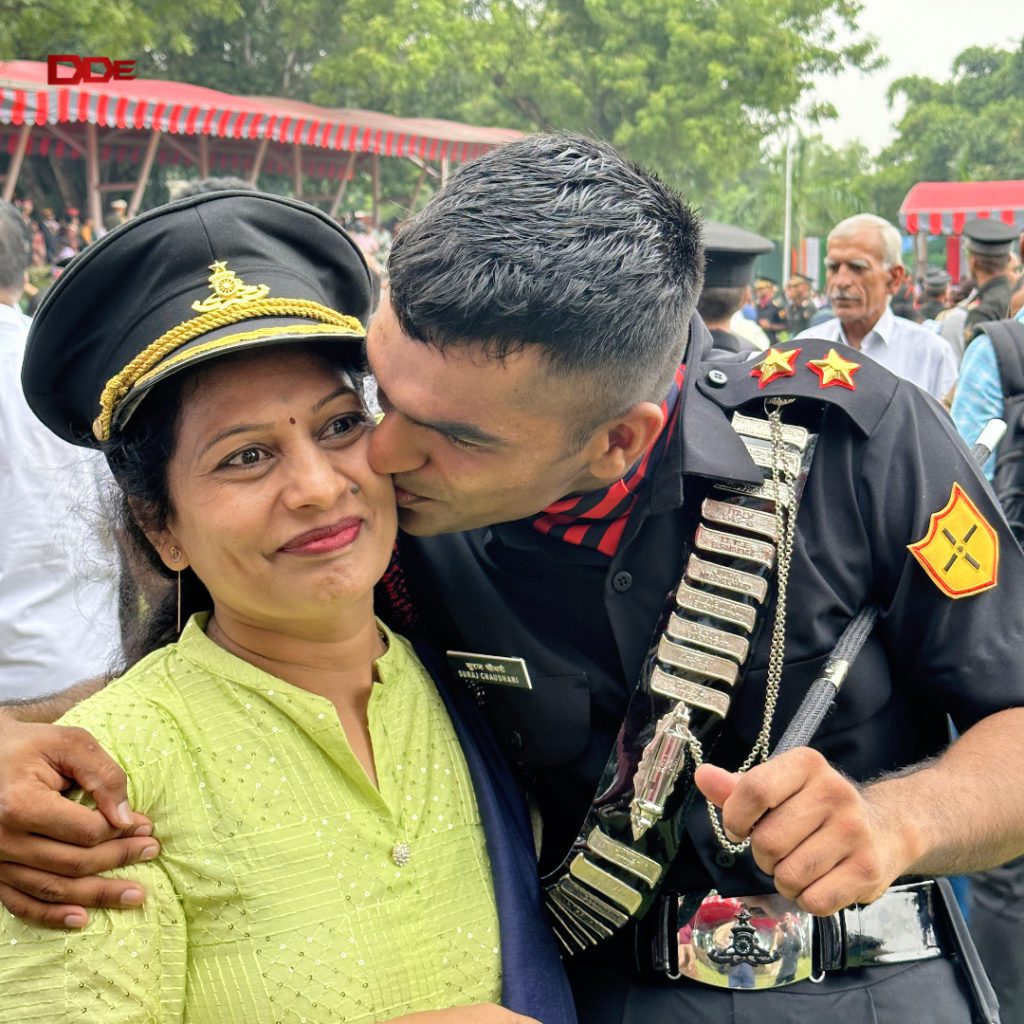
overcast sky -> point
(920, 37)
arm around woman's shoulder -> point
(126, 965)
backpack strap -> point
(1008, 343)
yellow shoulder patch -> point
(960, 551)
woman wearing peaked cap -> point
(339, 842)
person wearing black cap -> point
(800, 307)
(730, 253)
(935, 287)
(322, 850)
(988, 261)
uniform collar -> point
(704, 443)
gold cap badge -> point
(228, 290)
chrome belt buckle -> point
(747, 942)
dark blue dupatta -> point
(533, 980)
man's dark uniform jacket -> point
(887, 459)
(798, 316)
(990, 302)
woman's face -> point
(273, 501)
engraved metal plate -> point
(691, 693)
(749, 519)
(702, 571)
(751, 426)
(697, 661)
(717, 640)
(592, 902)
(723, 608)
(583, 918)
(568, 931)
(733, 546)
(489, 668)
(766, 491)
(762, 457)
(624, 857)
(607, 885)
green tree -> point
(690, 87)
(828, 185)
(32, 29)
(969, 128)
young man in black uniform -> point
(554, 460)
(988, 262)
(729, 253)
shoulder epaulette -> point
(819, 371)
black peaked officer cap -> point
(988, 237)
(209, 275)
(730, 253)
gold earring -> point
(175, 554)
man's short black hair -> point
(15, 248)
(557, 241)
(716, 304)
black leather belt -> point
(767, 941)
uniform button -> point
(622, 581)
(725, 859)
(717, 378)
(515, 741)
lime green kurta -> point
(277, 896)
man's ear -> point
(897, 275)
(620, 442)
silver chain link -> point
(785, 528)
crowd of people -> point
(350, 641)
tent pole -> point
(416, 190)
(204, 156)
(92, 176)
(340, 194)
(297, 170)
(16, 161)
(375, 170)
(257, 164)
(920, 255)
(147, 166)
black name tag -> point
(489, 669)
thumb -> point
(715, 783)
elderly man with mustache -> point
(864, 268)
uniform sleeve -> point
(952, 614)
(124, 967)
(979, 394)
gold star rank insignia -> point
(834, 371)
(775, 364)
(960, 551)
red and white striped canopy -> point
(942, 207)
(141, 105)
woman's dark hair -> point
(139, 457)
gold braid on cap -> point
(231, 302)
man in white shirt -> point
(864, 268)
(58, 593)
